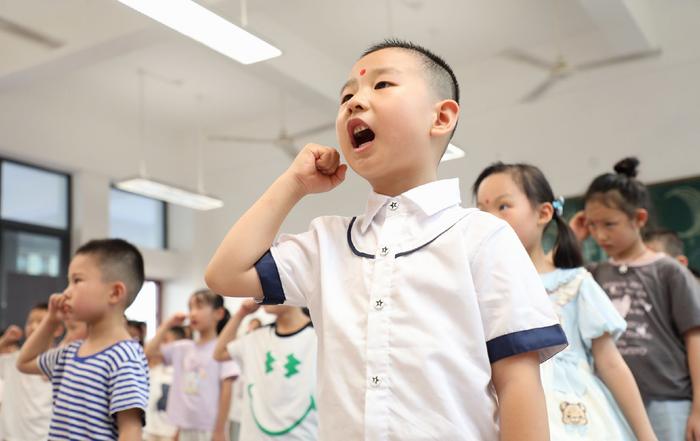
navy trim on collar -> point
(401, 254)
(352, 246)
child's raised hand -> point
(317, 169)
(176, 319)
(13, 334)
(249, 306)
(579, 227)
(57, 307)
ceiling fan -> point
(285, 141)
(561, 68)
(25, 33)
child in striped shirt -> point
(100, 384)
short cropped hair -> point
(439, 74)
(671, 243)
(118, 261)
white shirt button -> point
(384, 251)
(379, 304)
(376, 381)
(393, 205)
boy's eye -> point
(382, 84)
(502, 207)
(345, 98)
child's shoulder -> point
(478, 226)
(126, 350)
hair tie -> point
(558, 204)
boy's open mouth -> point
(360, 133)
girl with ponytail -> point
(580, 406)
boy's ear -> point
(446, 116)
(682, 259)
(118, 293)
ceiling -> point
(190, 89)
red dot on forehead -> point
(363, 71)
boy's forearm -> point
(37, 343)
(231, 270)
(227, 335)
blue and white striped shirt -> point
(89, 391)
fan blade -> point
(242, 139)
(618, 60)
(313, 130)
(29, 34)
(542, 88)
(524, 57)
(287, 146)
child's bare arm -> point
(223, 410)
(692, 345)
(152, 348)
(40, 341)
(613, 370)
(11, 337)
(129, 424)
(523, 412)
(228, 334)
(231, 270)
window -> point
(34, 196)
(138, 219)
(145, 307)
(35, 223)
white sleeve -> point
(516, 312)
(289, 271)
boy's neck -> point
(291, 321)
(106, 331)
(394, 185)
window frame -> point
(63, 235)
(165, 217)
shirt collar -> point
(429, 198)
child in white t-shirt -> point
(26, 410)
(279, 367)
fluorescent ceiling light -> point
(199, 23)
(168, 193)
(452, 152)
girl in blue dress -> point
(590, 392)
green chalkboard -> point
(676, 207)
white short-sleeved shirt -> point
(280, 384)
(412, 302)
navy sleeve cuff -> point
(273, 294)
(547, 341)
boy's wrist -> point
(290, 184)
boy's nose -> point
(357, 103)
